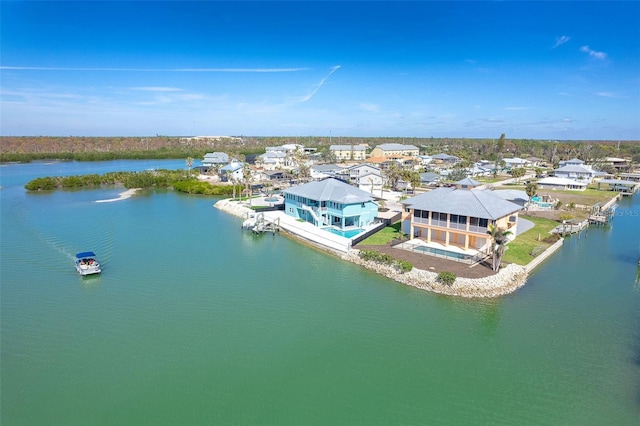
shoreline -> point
(506, 281)
(122, 196)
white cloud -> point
(561, 40)
(609, 95)
(593, 53)
(370, 107)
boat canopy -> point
(85, 254)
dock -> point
(259, 224)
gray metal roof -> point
(330, 190)
(468, 182)
(511, 194)
(481, 203)
(347, 147)
(574, 168)
(395, 147)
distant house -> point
(576, 172)
(323, 171)
(272, 160)
(349, 152)
(212, 159)
(232, 171)
(356, 172)
(395, 150)
(516, 162)
(429, 179)
(572, 162)
(424, 159)
(455, 221)
(331, 202)
(445, 159)
(561, 183)
(371, 182)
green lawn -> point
(385, 235)
(519, 250)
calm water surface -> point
(195, 322)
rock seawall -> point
(507, 280)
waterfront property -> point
(456, 220)
(560, 183)
(331, 203)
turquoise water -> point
(195, 322)
(347, 234)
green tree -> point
(499, 238)
(531, 189)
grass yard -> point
(519, 250)
(385, 235)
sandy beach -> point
(122, 196)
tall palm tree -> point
(499, 239)
(531, 189)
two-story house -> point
(331, 203)
(395, 150)
(349, 152)
(454, 221)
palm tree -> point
(531, 189)
(498, 240)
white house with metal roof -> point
(454, 221)
(215, 159)
(331, 203)
(578, 172)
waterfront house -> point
(331, 203)
(349, 152)
(213, 159)
(395, 150)
(454, 221)
(560, 183)
(579, 172)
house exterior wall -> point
(446, 229)
(329, 213)
(380, 152)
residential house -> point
(395, 150)
(272, 160)
(323, 171)
(429, 179)
(514, 195)
(232, 171)
(331, 203)
(455, 220)
(515, 162)
(214, 159)
(561, 183)
(356, 172)
(572, 162)
(445, 159)
(580, 172)
(349, 152)
(371, 182)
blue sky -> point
(540, 70)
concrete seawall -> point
(544, 255)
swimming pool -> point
(347, 234)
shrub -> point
(404, 266)
(446, 278)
